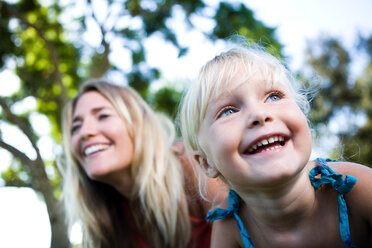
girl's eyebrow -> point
(218, 102)
(93, 110)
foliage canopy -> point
(43, 43)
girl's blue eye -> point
(226, 112)
(275, 96)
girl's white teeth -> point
(266, 142)
(272, 148)
(95, 148)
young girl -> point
(123, 180)
(244, 121)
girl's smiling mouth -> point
(269, 143)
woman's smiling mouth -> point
(95, 148)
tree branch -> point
(19, 123)
(17, 183)
(103, 64)
(40, 180)
(52, 51)
(16, 153)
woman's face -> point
(100, 139)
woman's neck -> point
(121, 181)
(124, 191)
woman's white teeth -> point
(95, 148)
(268, 141)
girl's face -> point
(100, 139)
(255, 134)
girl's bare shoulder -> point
(360, 197)
(350, 168)
(225, 233)
(363, 174)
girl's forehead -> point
(259, 79)
(222, 77)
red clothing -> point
(140, 243)
(200, 232)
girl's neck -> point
(283, 206)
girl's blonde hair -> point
(216, 76)
(158, 200)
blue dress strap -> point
(234, 202)
(319, 175)
(323, 174)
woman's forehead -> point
(91, 100)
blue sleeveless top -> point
(319, 175)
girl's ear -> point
(208, 169)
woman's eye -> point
(103, 116)
(226, 112)
(275, 96)
(74, 128)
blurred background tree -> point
(43, 45)
(343, 105)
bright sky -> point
(23, 219)
(296, 22)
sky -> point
(23, 216)
(296, 21)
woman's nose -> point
(88, 128)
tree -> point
(37, 43)
(363, 86)
(340, 95)
(51, 60)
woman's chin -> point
(98, 175)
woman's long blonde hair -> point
(158, 199)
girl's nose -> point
(259, 117)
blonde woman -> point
(123, 179)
